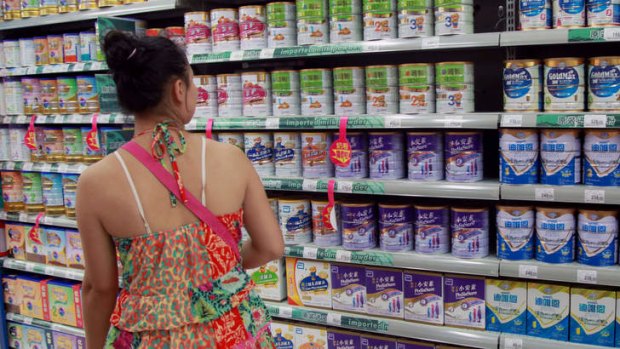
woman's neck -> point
(147, 122)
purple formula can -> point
(431, 229)
(386, 155)
(470, 232)
(396, 227)
(358, 226)
(358, 168)
(425, 154)
(463, 156)
(315, 155)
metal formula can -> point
(295, 221)
(225, 26)
(425, 156)
(31, 8)
(432, 235)
(18, 150)
(415, 23)
(470, 232)
(252, 27)
(12, 57)
(359, 228)
(12, 191)
(564, 84)
(32, 95)
(555, 235)
(49, 7)
(395, 227)
(349, 91)
(569, 13)
(380, 19)
(13, 96)
(417, 91)
(12, 9)
(88, 46)
(463, 154)
(560, 155)
(601, 149)
(231, 138)
(256, 94)
(281, 34)
(386, 155)
(535, 14)
(345, 28)
(358, 167)
(259, 149)
(198, 32)
(27, 55)
(206, 105)
(33, 192)
(523, 85)
(67, 6)
(49, 96)
(53, 194)
(449, 73)
(285, 93)
(322, 236)
(88, 99)
(382, 89)
(518, 161)
(5, 144)
(603, 13)
(287, 154)
(71, 43)
(515, 232)
(312, 31)
(454, 19)
(87, 4)
(73, 144)
(229, 95)
(315, 155)
(317, 97)
(451, 99)
(281, 11)
(53, 144)
(604, 83)
(55, 46)
(597, 242)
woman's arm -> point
(100, 286)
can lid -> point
(518, 63)
(570, 61)
(613, 60)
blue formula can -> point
(470, 232)
(523, 85)
(560, 155)
(569, 13)
(597, 242)
(555, 235)
(432, 234)
(295, 218)
(358, 168)
(386, 151)
(259, 150)
(604, 83)
(463, 152)
(287, 154)
(358, 226)
(535, 14)
(603, 12)
(601, 165)
(515, 232)
(396, 227)
(425, 156)
(518, 160)
(53, 198)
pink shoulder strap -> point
(192, 204)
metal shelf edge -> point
(511, 341)
(45, 324)
(571, 273)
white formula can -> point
(518, 161)
(535, 14)
(315, 155)
(417, 90)
(27, 54)
(412, 24)
(601, 150)
(522, 85)
(287, 154)
(349, 91)
(597, 242)
(312, 31)
(295, 221)
(323, 236)
(285, 93)
(198, 32)
(225, 26)
(5, 144)
(604, 83)
(560, 155)
(259, 149)
(256, 94)
(382, 100)
(281, 34)
(12, 57)
(13, 96)
(569, 13)
(453, 99)
(515, 232)
(229, 95)
(252, 27)
(19, 151)
(345, 28)
(379, 25)
(317, 96)
(206, 105)
(603, 13)
(454, 19)
(564, 84)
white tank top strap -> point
(204, 171)
(133, 191)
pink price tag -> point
(209, 130)
(92, 137)
(329, 215)
(30, 137)
(340, 151)
(33, 234)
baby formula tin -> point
(454, 89)
(88, 46)
(349, 287)
(564, 84)
(523, 85)
(67, 6)
(5, 144)
(41, 50)
(31, 8)
(285, 93)
(518, 156)
(431, 231)
(259, 149)
(295, 221)
(13, 96)
(463, 154)
(252, 27)
(417, 91)
(52, 193)
(425, 156)
(464, 301)
(506, 305)
(231, 138)
(18, 150)
(12, 191)
(73, 144)
(309, 283)
(396, 227)
(535, 14)
(69, 186)
(12, 56)
(451, 17)
(349, 91)
(569, 13)
(287, 154)
(12, 9)
(470, 232)
(317, 96)
(560, 155)
(33, 192)
(55, 46)
(206, 105)
(323, 236)
(281, 33)
(345, 28)
(315, 155)
(555, 235)
(312, 31)
(384, 288)
(71, 43)
(358, 226)
(597, 242)
(27, 55)
(448, 73)
(592, 315)
(603, 13)
(386, 155)
(67, 95)
(229, 95)
(54, 144)
(548, 311)
(198, 32)
(91, 155)
(601, 150)
(604, 83)
(256, 94)
(423, 297)
(88, 99)
(225, 26)
(87, 4)
(382, 75)
(32, 95)
(380, 19)
(415, 18)
(358, 167)
(515, 232)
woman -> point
(183, 280)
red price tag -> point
(329, 215)
(340, 150)
(30, 137)
(209, 130)
(33, 234)
(92, 137)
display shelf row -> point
(61, 221)
(567, 120)
(42, 167)
(572, 193)
(26, 320)
(43, 269)
(559, 36)
(54, 68)
(60, 119)
(510, 341)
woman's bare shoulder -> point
(100, 174)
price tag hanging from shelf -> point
(209, 129)
(30, 137)
(340, 150)
(92, 139)
(329, 215)
(34, 233)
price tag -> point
(345, 186)
(596, 196)
(309, 185)
(392, 122)
(272, 123)
(310, 252)
(27, 320)
(63, 168)
(29, 267)
(236, 55)
(544, 194)
(266, 53)
(611, 34)
(75, 118)
(587, 276)
(74, 275)
(10, 316)
(528, 271)
(285, 312)
(430, 43)
(58, 119)
(513, 343)
(49, 69)
(343, 256)
(453, 121)
(334, 319)
(28, 166)
(46, 167)
(49, 270)
(104, 118)
(511, 120)
(595, 121)
(79, 66)
(21, 119)
(23, 217)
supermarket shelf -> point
(551, 193)
(397, 121)
(121, 10)
(484, 190)
(393, 45)
(45, 324)
(42, 167)
(407, 260)
(568, 120)
(571, 272)
(510, 341)
(31, 218)
(54, 68)
(392, 327)
(61, 119)
(559, 36)
(38, 268)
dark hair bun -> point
(118, 47)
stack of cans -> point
(317, 96)
(349, 91)
(206, 105)
(312, 22)
(415, 18)
(225, 25)
(252, 27)
(345, 21)
(256, 93)
(417, 88)
(198, 32)
(285, 93)
(229, 95)
(281, 25)
(382, 89)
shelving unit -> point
(44, 324)
(567, 120)
(43, 269)
(60, 119)
(46, 220)
(553, 193)
(55, 68)
(42, 167)
(559, 36)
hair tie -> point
(132, 53)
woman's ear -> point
(178, 91)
